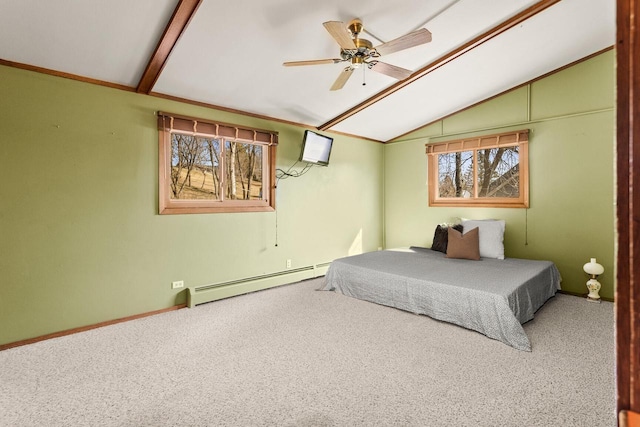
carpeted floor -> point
(293, 356)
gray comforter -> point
(490, 296)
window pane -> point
(195, 167)
(455, 174)
(195, 172)
(499, 172)
(243, 171)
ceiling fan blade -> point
(340, 33)
(342, 78)
(390, 70)
(311, 62)
(415, 38)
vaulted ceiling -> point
(229, 54)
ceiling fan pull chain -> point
(364, 83)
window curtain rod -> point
(200, 127)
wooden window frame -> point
(508, 139)
(172, 123)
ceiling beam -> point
(478, 41)
(182, 15)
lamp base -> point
(594, 288)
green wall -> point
(571, 146)
(81, 241)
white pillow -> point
(491, 234)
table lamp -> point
(594, 269)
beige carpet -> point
(293, 356)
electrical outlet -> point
(288, 263)
(177, 284)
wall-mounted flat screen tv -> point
(316, 148)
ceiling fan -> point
(360, 51)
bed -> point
(491, 296)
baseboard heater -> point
(212, 292)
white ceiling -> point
(231, 53)
(110, 40)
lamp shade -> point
(593, 268)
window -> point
(487, 171)
(207, 167)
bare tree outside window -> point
(206, 174)
(196, 169)
(499, 172)
(482, 171)
(455, 174)
(243, 169)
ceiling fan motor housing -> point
(364, 50)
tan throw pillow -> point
(463, 246)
